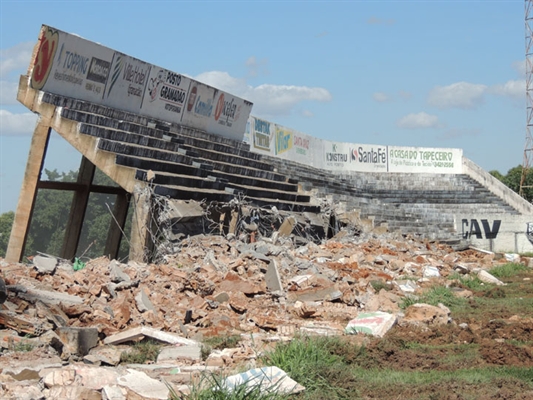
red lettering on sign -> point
(44, 58)
(220, 106)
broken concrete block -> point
(267, 378)
(272, 278)
(106, 354)
(375, 323)
(143, 302)
(49, 297)
(73, 392)
(426, 314)
(116, 273)
(180, 352)
(114, 392)
(95, 377)
(144, 386)
(44, 264)
(287, 226)
(303, 281)
(78, 340)
(142, 331)
(222, 297)
(431, 272)
(484, 276)
(59, 377)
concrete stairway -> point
(184, 163)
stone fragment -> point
(114, 392)
(109, 355)
(72, 392)
(44, 264)
(426, 314)
(142, 331)
(272, 278)
(59, 377)
(234, 283)
(78, 340)
(484, 276)
(143, 302)
(239, 302)
(144, 386)
(431, 272)
(116, 273)
(179, 353)
(267, 378)
(222, 297)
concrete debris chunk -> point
(175, 353)
(44, 264)
(426, 314)
(484, 276)
(140, 332)
(269, 379)
(144, 386)
(143, 302)
(78, 340)
(272, 278)
(431, 272)
(376, 323)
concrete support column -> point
(118, 221)
(141, 240)
(28, 192)
(77, 210)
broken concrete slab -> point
(180, 353)
(48, 297)
(269, 379)
(484, 276)
(116, 273)
(140, 332)
(78, 340)
(272, 278)
(114, 392)
(426, 314)
(44, 264)
(376, 323)
(143, 302)
(144, 386)
(108, 355)
(72, 392)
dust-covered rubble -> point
(64, 331)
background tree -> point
(512, 180)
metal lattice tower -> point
(528, 149)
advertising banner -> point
(230, 115)
(425, 160)
(71, 66)
(127, 83)
(165, 95)
(200, 105)
(368, 157)
(336, 155)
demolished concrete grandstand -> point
(167, 139)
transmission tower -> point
(528, 149)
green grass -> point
(507, 270)
(378, 285)
(141, 352)
(468, 282)
(434, 296)
(212, 387)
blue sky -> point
(407, 73)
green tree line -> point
(50, 217)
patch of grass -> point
(378, 285)
(213, 387)
(22, 346)
(312, 362)
(141, 352)
(507, 270)
(468, 282)
(222, 342)
(434, 296)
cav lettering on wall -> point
(368, 158)
(472, 228)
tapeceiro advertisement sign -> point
(71, 66)
(429, 160)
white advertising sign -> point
(368, 157)
(165, 96)
(70, 66)
(425, 160)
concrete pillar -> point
(28, 192)
(118, 221)
(77, 210)
(141, 240)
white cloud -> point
(269, 100)
(17, 124)
(457, 95)
(8, 92)
(255, 66)
(379, 21)
(520, 67)
(14, 58)
(513, 89)
(418, 121)
(307, 113)
(380, 97)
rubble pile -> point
(79, 322)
